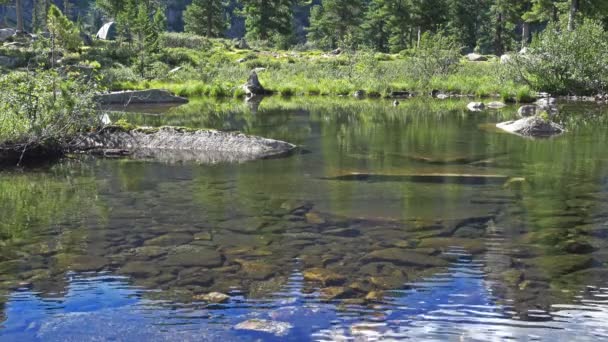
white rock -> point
(271, 327)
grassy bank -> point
(221, 72)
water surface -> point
(417, 221)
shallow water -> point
(416, 222)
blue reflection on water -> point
(448, 306)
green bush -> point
(40, 106)
(567, 62)
(183, 40)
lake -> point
(417, 222)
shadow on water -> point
(400, 222)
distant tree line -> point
(487, 26)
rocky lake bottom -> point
(393, 222)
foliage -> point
(335, 20)
(265, 19)
(183, 40)
(39, 105)
(567, 62)
(437, 55)
(63, 30)
(206, 18)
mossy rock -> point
(404, 257)
(559, 265)
(325, 276)
(473, 246)
(257, 270)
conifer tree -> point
(265, 19)
(206, 18)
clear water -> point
(417, 222)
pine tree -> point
(62, 30)
(206, 18)
(338, 19)
(265, 19)
(388, 25)
(465, 18)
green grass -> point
(219, 72)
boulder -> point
(476, 106)
(504, 59)
(359, 94)
(496, 105)
(400, 94)
(253, 86)
(270, 327)
(528, 110)
(213, 297)
(336, 51)
(547, 103)
(474, 57)
(174, 145)
(138, 97)
(7, 33)
(532, 126)
(8, 62)
(442, 96)
(242, 44)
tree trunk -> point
(525, 34)
(572, 15)
(19, 11)
(498, 44)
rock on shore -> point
(139, 97)
(170, 144)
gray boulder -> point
(139, 97)
(7, 33)
(8, 62)
(253, 86)
(474, 57)
(242, 44)
(476, 106)
(528, 110)
(504, 59)
(532, 126)
(176, 145)
(547, 102)
(359, 94)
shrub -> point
(183, 40)
(437, 55)
(40, 106)
(561, 61)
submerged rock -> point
(139, 97)
(404, 257)
(533, 126)
(324, 276)
(169, 144)
(496, 105)
(423, 178)
(270, 327)
(213, 297)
